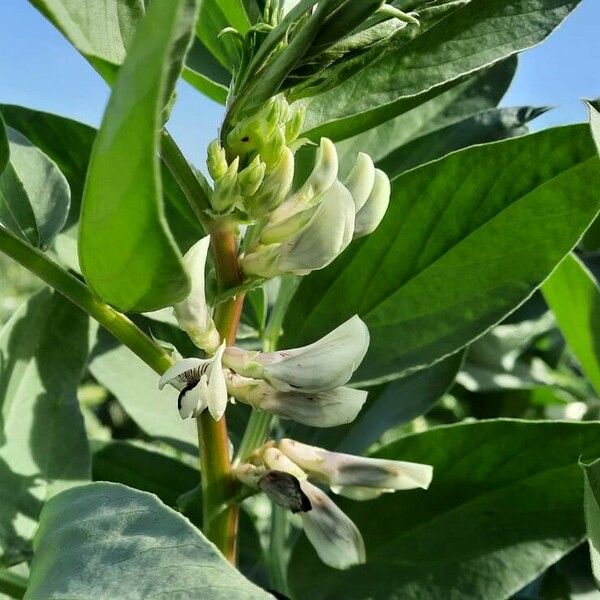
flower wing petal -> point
(186, 364)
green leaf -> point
(101, 30)
(505, 503)
(502, 359)
(487, 126)
(204, 72)
(594, 108)
(466, 239)
(574, 297)
(105, 540)
(34, 194)
(211, 21)
(43, 446)
(480, 92)
(4, 149)
(591, 496)
(261, 88)
(477, 35)
(387, 407)
(135, 385)
(69, 144)
(143, 468)
(121, 210)
(235, 13)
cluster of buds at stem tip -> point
(318, 221)
(287, 472)
(303, 384)
(254, 170)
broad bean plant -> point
(354, 355)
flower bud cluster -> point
(317, 222)
(286, 470)
(259, 174)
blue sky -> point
(38, 68)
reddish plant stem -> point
(220, 515)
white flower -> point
(319, 409)
(323, 365)
(357, 477)
(335, 537)
(375, 207)
(193, 314)
(321, 178)
(319, 241)
(280, 486)
(201, 384)
(361, 179)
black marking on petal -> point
(184, 391)
(284, 489)
(192, 376)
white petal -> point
(203, 388)
(325, 170)
(335, 537)
(323, 365)
(321, 178)
(346, 470)
(324, 237)
(189, 401)
(192, 313)
(319, 409)
(361, 179)
(171, 374)
(278, 461)
(217, 387)
(381, 473)
(360, 493)
(372, 213)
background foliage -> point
(479, 288)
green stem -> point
(12, 585)
(220, 515)
(278, 549)
(259, 424)
(255, 434)
(73, 289)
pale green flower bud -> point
(323, 365)
(335, 537)
(326, 234)
(372, 213)
(274, 188)
(227, 190)
(321, 178)
(361, 179)
(320, 409)
(280, 231)
(271, 152)
(340, 470)
(251, 177)
(192, 314)
(216, 160)
(294, 124)
(254, 132)
(263, 262)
